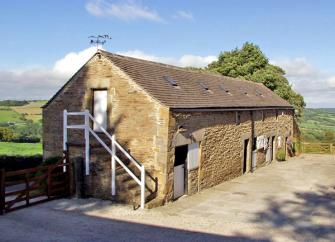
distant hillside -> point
(318, 125)
(13, 102)
(13, 111)
(332, 110)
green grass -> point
(9, 115)
(22, 149)
(317, 124)
(32, 111)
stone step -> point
(127, 185)
(131, 195)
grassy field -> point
(318, 125)
(31, 111)
(23, 121)
(7, 114)
(22, 149)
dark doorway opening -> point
(179, 170)
(245, 155)
(254, 143)
(180, 155)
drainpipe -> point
(253, 156)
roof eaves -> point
(212, 109)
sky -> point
(44, 42)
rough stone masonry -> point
(150, 126)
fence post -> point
(70, 175)
(2, 191)
(113, 184)
(331, 148)
(49, 182)
(27, 190)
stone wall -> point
(222, 141)
(139, 123)
(150, 131)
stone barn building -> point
(190, 130)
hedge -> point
(13, 163)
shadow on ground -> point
(44, 224)
(310, 215)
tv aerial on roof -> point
(99, 40)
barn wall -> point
(139, 123)
(222, 141)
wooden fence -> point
(317, 148)
(23, 188)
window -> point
(245, 92)
(204, 86)
(223, 88)
(258, 93)
(171, 81)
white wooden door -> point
(179, 181)
(100, 108)
(268, 154)
(193, 156)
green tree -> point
(6, 134)
(251, 64)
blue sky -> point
(43, 42)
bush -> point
(281, 155)
(13, 163)
(22, 139)
(6, 134)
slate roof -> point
(188, 88)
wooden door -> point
(179, 181)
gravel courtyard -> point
(285, 201)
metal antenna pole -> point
(99, 40)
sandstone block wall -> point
(149, 131)
(139, 123)
(222, 142)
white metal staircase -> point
(111, 150)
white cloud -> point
(128, 10)
(331, 82)
(181, 14)
(183, 61)
(317, 86)
(41, 82)
(73, 61)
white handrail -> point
(75, 113)
(117, 143)
(127, 169)
(99, 125)
(112, 152)
(100, 141)
(128, 156)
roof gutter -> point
(227, 109)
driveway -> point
(285, 201)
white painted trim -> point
(111, 150)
